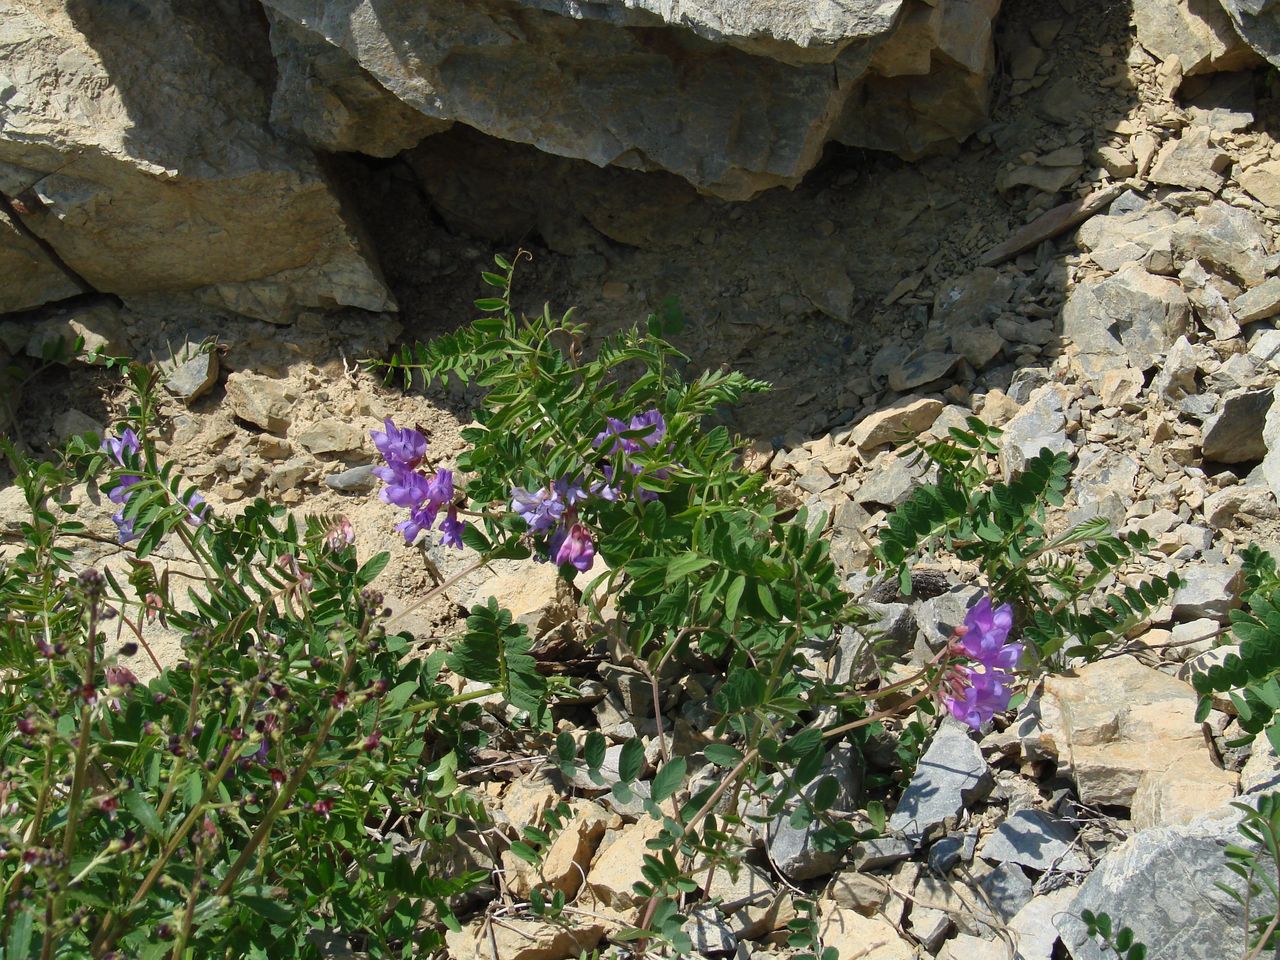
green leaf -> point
(18, 945)
(144, 813)
(722, 755)
(732, 596)
(631, 761)
(593, 752)
(374, 566)
(683, 566)
(668, 779)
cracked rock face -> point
(735, 96)
(1258, 21)
(138, 135)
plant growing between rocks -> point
(299, 771)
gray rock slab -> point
(1034, 839)
(1162, 884)
(1208, 591)
(793, 849)
(1234, 433)
(951, 776)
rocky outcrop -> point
(31, 278)
(1198, 32)
(1258, 21)
(139, 136)
(736, 97)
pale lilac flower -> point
(421, 518)
(197, 509)
(404, 447)
(980, 695)
(404, 487)
(540, 509)
(451, 529)
(124, 527)
(569, 491)
(573, 546)
(440, 487)
(117, 447)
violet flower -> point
(573, 546)
(404, 450)
(400, 447)
(976, 691)
(540, 509)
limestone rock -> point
(1040, 425)
(1034, 839)
(1120, 728)
(31, 278)
(1263, 182)
(261, 401)
(1258, 21)
(617, 866)
(950, 776)
(1162, 884)
(522, 939)
(1192, 162)
(1229, 240)
(325, 98)
(535, 593)
(331, 436)
(1130, 319)
(193, 378)
(623, 81)
(1208, 590)
(910, 415)
(1234, 433)
(793, 849)
(1271, 439)
(856, 937)
(1259, 303)
(1198, 32)
(142, 134)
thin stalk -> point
(188, 915)
(439, 589)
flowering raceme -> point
(651, 420)
(977, 690)
(404, 449)
(120, 451)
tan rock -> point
(618, 864)
(259, 400)
(753, 906)
(567, 859)
(910, 415)
(1171, 797)
(331, 436)
(535, 593)
(526, 800)
(1192, 162)
(520, 939)
(1263, 182)
(856, 937)
(1119, 387)
(1124, 729)
(998, 408)
(1199, 34)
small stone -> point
(906, 417)
(74, 423)
(331, 436)
(855, 937)
(355, 480)
(1192, 162)
(618, 865)
(1234, 434)
(1208, 591)
(1263, 182)
(815, 480)
(951, 776)
(1259, 303)
(193, 378)
(1036, 840)
(922, 368)
(517, 938)
(261, 401)
(1040, 425)
(711, 936)
(792, 849)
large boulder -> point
(31, 276)
(1198, 32)
(1258, 21)
(137, 137)
(735, 96)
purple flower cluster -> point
(976, 691)
(424, 495)
(123, 452)
(554, 509)
(651, 421)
